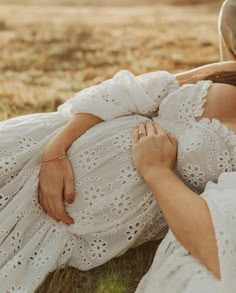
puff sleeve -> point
(124, 94)
(221, 201)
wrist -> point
(160, 174)
(57, 145)
(53, 149)
(53, 158)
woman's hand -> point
(153, 148)
(186, 213)
(56, 180)
(56, 183)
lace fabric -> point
(206, 151)
(112, 200)
(123, 95)
(175, 270)
(206, 148)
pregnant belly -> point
(109, 191)
(105, 151)
(108, 139)
(221, 104)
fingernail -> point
(69, 223)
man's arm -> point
(201, 73)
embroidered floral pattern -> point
(112, 201)
(224, 161)
(88, 160)
(193, 175)
(121, 203)
(98, 248)
(132, 230)
(26, 143)
(17, 289)
(122, 142)
(129, 174)
(39, 258)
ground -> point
(50, 51)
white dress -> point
(175, 270)
(206, 151)
(114, 209)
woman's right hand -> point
(56, 180)
(56, 184)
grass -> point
(119, 275)
(112, 282)
(45, 60)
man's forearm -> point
(200, 73)
(187, 215)
(75, 127)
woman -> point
(227, 30)
(199, 252)
(112, 200)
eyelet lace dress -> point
(114, 209)
(175, 270)
(206, 152)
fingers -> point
(150, 128)
(54, 210)
(69, 193)
(44, 204)
(62, 214)
(40, 199)
(158, 128)
(49, 209)
(172, 139)
(142, 132)
(135, 136)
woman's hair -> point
(228, 77)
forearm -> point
(200, 73)
(75, 127)
(187, 215)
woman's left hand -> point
(153, 148)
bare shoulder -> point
(220, 102)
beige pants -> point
(227, 30)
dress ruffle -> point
(228, 136)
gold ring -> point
(140, 133)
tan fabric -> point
(227, 30)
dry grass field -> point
(49, 52)
(52, 50)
